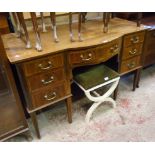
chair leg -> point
(106, 18)
(42, 22)
(35, 123)
(22, 22)
(53, 21)
(69, 109)
(139, 17)
(70, 27)
(79, 27)
(37, 34)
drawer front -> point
(51, 78)
(133, 39)
(131, 51)
(150, 36)
(48, 95)
(43, 64)
(82, 56)
(105, 52)
(130, 64)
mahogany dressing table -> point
(46, 76)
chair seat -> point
(95, 75)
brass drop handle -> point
(86, 59)
(114, 49)
(131, 65)
(133, 52)
(50, 96)
(48, 81)
(47, 67)
(135, 39)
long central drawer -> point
(95, 54)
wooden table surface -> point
(92, 32)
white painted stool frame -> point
(99, 99)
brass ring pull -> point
(45, 68)
(50, 97)
(114, 49)
(135, 39)
(133, 52)
(47, 82)
(131, 65)
(86, 59)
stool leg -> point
(91, 110)
(116, 92)
(95, 105)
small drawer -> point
(131, 51)
(133, 39)
(105, 52)
(82, 56)
(48, 95)
(43, 64)
(150, 36)
(51, 77)
(130, 64)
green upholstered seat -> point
(95, 75)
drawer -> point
(51, 77)
(130, 64)
(43, 64)
(133, 39)
(82, 56)
(150, 36)
(131, 51)
(105, 52)
(48, 95)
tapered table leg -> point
(139, 74)
(135, 79)
(69, 109)
(35, 123)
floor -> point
(132, 120)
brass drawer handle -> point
(114, 49)
(49, 81)
(135, 39)
(133, 52)
(50, 96)
(45, 68)
(86, 59)
(131, 65)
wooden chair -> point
(53, 16)
(21, 29)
